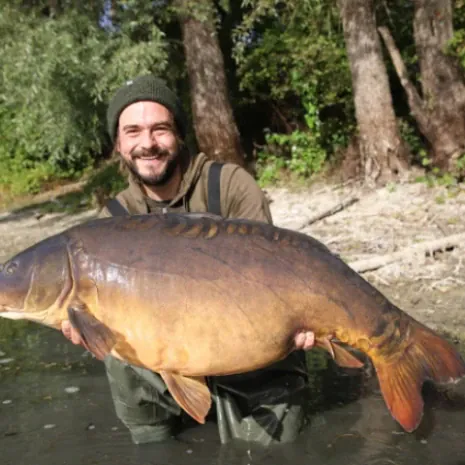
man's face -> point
(147, 142)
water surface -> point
(56, 409)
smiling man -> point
(150, 146)
(148, 127)
(155, 164)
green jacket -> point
(240, 195)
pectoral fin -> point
(191, 393)
(96, 337)
(340, 355)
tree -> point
(383, 153)
(215, 128)
(440, 107)
(57, 76)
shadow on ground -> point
(70, 203)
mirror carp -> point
(195, 295)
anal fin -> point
(340, 355)
(96, 337)
(344, 358)
(191, 393)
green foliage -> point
(301, 67)
(269, 168)
(434, 177)
(411, 136)
(287, 59)
(20, 174)
(276, 43)
(109, 181)
(57, 74)
(105, 182)
(300, 152)
(461, 163)
(296, 152)
(456, 46)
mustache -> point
(148, 153)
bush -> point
(57, 74)
(298, 68)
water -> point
(56, 409)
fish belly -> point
(198, 328)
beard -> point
(172, 160)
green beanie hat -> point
(146, 87)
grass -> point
(72, 198)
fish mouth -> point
(12, 313)
(37, 317)
(16, 315)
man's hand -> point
(70, 333)
(304, 340)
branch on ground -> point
(328, 212)
(424, 248)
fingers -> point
(309, 340)
(304, 340)
(66, 329)
(70, 333)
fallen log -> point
(423, 248)
(328, 212)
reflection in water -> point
(44, 423)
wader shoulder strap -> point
(214, 192)
(115, 208)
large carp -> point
(194, 295)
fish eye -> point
(11, 268)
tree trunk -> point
(54, 7)
(384, 154)
(215, 128)
(442, 82)
(113, 9)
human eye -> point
(162, 128)
(132, 131)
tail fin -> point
(427, 357)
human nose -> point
(147, 140)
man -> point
(148, 127)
